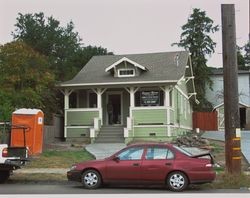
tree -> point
(196, 38)
(247, 53)
(240, 59)
(46, 36)
(62, 45)
(25, 78)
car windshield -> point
(182, 150)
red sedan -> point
(146, 164)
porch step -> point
(110, 134)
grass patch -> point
(59, 159)
(228, 181)
(37, 178)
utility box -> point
(27, 129)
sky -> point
(128, 26)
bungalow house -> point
(216, 96)
(118, 98)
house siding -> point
(81, 118)
(149, 116)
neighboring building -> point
(216, 97)
(117, 98)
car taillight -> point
(209, 165)
(5, 152)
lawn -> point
(59, 159)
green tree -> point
(247, 54)
(46, 36)
(25, 78)
(62, 45)
(240, 59)
(196, 39)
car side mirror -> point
(116, 158)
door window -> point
(131, 154)
(159, 153)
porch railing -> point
(78, 122)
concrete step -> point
(115, 140)
(110, 134)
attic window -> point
(126, 72)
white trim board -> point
(122, 60)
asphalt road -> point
(75, 188)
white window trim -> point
(126, 69)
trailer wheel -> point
(4, 176)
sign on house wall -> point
(150, 98)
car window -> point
(182, 150)
(159, 153)
(134, 153)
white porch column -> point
(166, 90)
(131, 91)
(167, 96)
(99, 92)
(66, 93)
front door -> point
(114, 114)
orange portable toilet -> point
(27, 129)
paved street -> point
(75, 188)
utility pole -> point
(231, 96)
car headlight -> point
(73, 167)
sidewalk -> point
(103, 150)
(42, 170)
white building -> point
(215, 96)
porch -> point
(87, 113)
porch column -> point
(132, 91)
(166, 90)
(99, 92)
(66, 93)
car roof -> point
(150, 144)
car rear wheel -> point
(177, 181)
(91, 179)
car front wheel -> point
(177, 181)
(91, 179)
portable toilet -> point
(27, 129)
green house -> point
(120, 98)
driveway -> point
(220, 135)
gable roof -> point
(165, 67)
(122, 60)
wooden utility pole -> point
(231, 96)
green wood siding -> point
(81, 118)
(150, 132)
(149, 116)
(77, 132)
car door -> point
(126, 166)
(157, 163)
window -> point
(145, 99)
(134, 153)
(126, 72)
(159, 153)
(182, 150)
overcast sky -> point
(127, 26)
